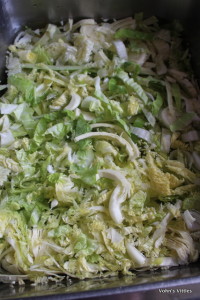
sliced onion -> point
(190, 136)
(121, 49)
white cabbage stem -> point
(88, 100)
(189, 219)
(7, 109)
(124, 23)
(165, 140)
(121, 49)
(114, 235)
(135, 254)
(167, 117)
(159, 233)
(54, 203)
(133, 153)
(141, 133)
(97, 209)
(119, 194)
(74, 102)
(50, 169)
(83, 22)
(149, 117)
(118, 177)
(119, 130)
(165, 261)
(86, 115)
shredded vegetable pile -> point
(99, 151)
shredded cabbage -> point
(99, 152)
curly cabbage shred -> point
(99, 152)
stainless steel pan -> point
(14, 14)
